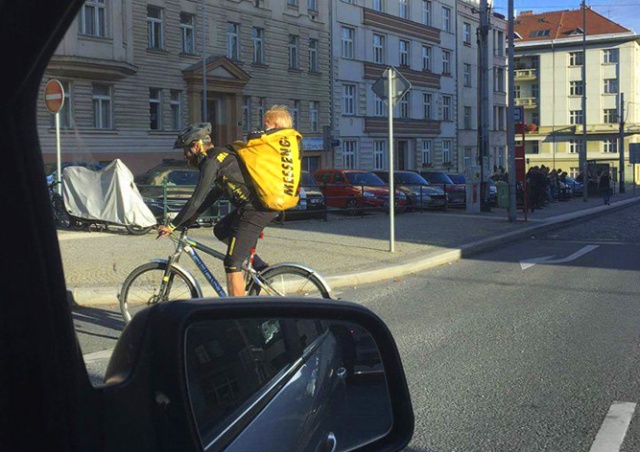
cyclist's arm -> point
(202, 193)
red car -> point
(356, 190)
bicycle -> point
(163, 280)
(60, 215)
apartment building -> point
(418, 38)
(549, 85)
(469, 106)
(136, 72)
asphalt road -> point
(526, 348)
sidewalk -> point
(347, 251)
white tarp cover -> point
(105, 195)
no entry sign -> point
(54, 96)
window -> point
(499, 116)
(426, 147)
(426, 58)
(187, 28)
(427, 108)
(576, 146)
(466, 33)
(155, 109)
(93, 19)
(313, 116)
(610, 145)
(466, 74)
(498, 43)
(348, 99)
(404, 9)
(349, 149)
(379, 147)
(446, 151)
(155, 27)
(348, 35)
(233, 41)
(446, 19)
(532, 147)
(499, 84)
(426, 12)
(610, 56)
(257, 35)
(379, 107)
(175, 103)
(576, 88)
(610, 115)
(246, 113)
(312, 5)
(467, 118)
(313, 55)
(377, 5)
(102, 115)
(576, 59)
(293, 52)
(404, 52)
(262, 102)
(404, 105)
(292, 3)
(610, 86)
(378, 48)
(294, 109)
(446, 108)
(516, 91)
(575, 117)
(468, 152)
(446, 62)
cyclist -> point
(220, 172)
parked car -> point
(456, 193)
(311, 202)
(355, 190)
(493, 189)
(168, 186)
(577, 188)
(420, 194)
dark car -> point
(355, 190)
(152, 401)
(168, 186)
(420, 194)
(456, 193)
(493, 189)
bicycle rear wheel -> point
(60, 214)
(291, 281)
(142, 286)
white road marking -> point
(528, 263)
(97, 356)
(614, 428)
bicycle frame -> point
(187, 245)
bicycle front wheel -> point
(290, 281)
(142, 288)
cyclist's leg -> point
(241, 236)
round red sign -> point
(54, 96)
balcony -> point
(522, 75)
(527, 102)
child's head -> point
(278, 117)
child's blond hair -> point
(279, 116)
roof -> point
(563, 24)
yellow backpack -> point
(273, 161)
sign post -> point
(54, 100)
(390, 87)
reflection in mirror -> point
(286, 384)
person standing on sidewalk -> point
(604, 186)
(221, 172)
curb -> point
(93, 296)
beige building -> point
(136, 72)
(549, 59)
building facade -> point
(549, 61)
(136, 72)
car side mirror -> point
(247, 374)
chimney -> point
(528, 12)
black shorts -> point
(240, 230)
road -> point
(526, 348)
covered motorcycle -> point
(106, 197)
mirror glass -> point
(286, 384)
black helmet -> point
(192, 133)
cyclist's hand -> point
(163, 231)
